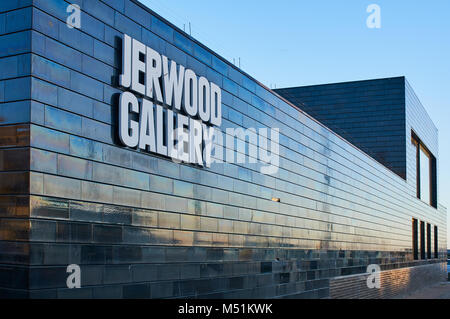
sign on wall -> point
(167, 109)
(178, 110)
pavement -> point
(437, 291)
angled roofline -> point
(344, 82)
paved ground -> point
(437, 291)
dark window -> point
(415, 145)
(422, 240)
(428, 241)
(425, 166)
(415, 239)
(425, 176)
(436, 250)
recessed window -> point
(425, 166)
(415, 239)
(436, 250)
(422, 240)
(428, 241)
(425, 180)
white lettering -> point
(204, 99)
(129, 129)
(138, 67)
(216, 105)
(147, 130)
(190, 93)
(173, 84)
(172, 109)
(182, 138)
(195, 142)
(154, 69)
(125, 78)
(160, 147)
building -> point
(85, 178)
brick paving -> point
(437, 291)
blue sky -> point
(291, 43)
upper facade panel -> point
(370, 114)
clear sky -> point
(300, 42)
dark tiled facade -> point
(370, 114)
(142, 226)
